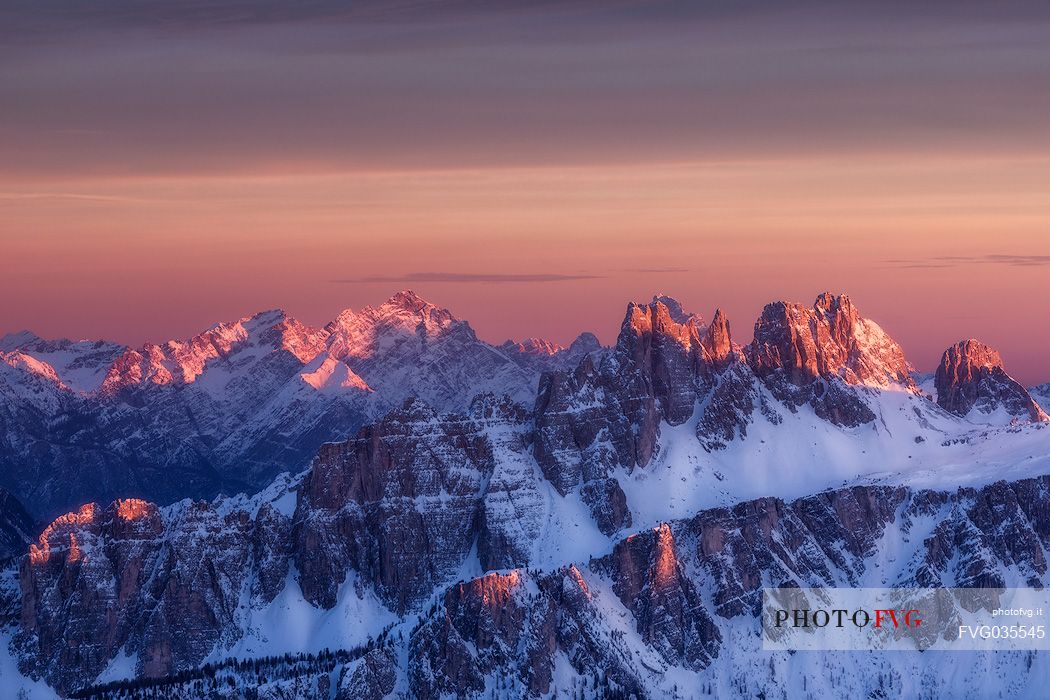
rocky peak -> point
(674, 309)
(717, 340)
(650, 581)
(830, 339)
(409, 301)
(662, 318)
(533, 346)
(410, 347)
(373, 331)
(279, 331)
(31, 365)
(247, 341)
(409, 307)
(664, 344)
(61, 533)
(540, 355)
(16, 526)
(585, 342)
(971, 377)
(78, 366)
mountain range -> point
(232, 407)
(389, 506)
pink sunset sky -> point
(533, 167)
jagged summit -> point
(664, 320)
(409, 304)
(540, 354)
(222, 347)
(361, 334)
(718, 340)
(533, 346)
(408, 300)
(830, 338)
(245, 399)
(971, 377)
(586, 341)
(674, 308)
(664, 316)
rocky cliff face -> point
(515, 625)
(16, 527)
(165, 585)
(971, 377)
(401, 504)
(815, 355)
(828, 339)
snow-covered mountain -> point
(609, 537)
(232, 407)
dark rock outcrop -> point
(400, 504)
(372, 677)
(650, 582)
(971, 377)
(128, 577)
(16, 526)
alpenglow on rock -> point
(807, 355)
(971, 377)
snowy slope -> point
(913, 442)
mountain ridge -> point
(601, 525)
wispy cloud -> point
(656, 270)
(465, 277)
(946, 261)
(1024, 260)
(30, 196)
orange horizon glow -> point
(149, 259)
(530, 166)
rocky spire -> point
(717, 340)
